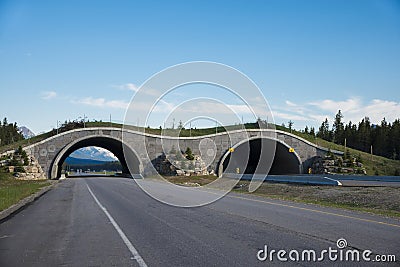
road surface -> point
(112, 222)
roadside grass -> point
(12, 190)
(377, 200)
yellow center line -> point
(313, 210)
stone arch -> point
(282, 156)
(112, 144)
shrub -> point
(359, 158)
(347, 155)
(189, 154)
(340, 162)
(329, 154)
(19, 169)
(15, 161)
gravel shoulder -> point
(378, 200)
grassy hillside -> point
(375, 165)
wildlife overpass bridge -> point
(265, 150)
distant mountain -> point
(94, 153)
(26, 132)
(93, 165)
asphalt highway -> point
(112, 222)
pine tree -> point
(290, 125)
(338, 129)
(180, 125)
(364, 135)
(189, 154)
(312, 131)
(394, 139)
(379, 136)
(9, 133)
(323, 131)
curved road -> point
(112, 222)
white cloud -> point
(48, 95)
(309, 113)
(350, 104)
(205, 107)
(127, 86)
(101, 102)
(288, 116)
(290, 104)
(163, 106)
(353, 109)
(134, 88)
(378, 109)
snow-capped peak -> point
(26, 132)
(95, 153)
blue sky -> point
(62, 59)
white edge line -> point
(128, 243)
(337, 181)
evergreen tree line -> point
(383, 138)
(9, 133)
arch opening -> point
(92, 160)
(113, 145)
(284, 162)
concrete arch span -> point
(144, 149)
(264, 155)
(112, 144)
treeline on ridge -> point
(9, 133)
(381, 139)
